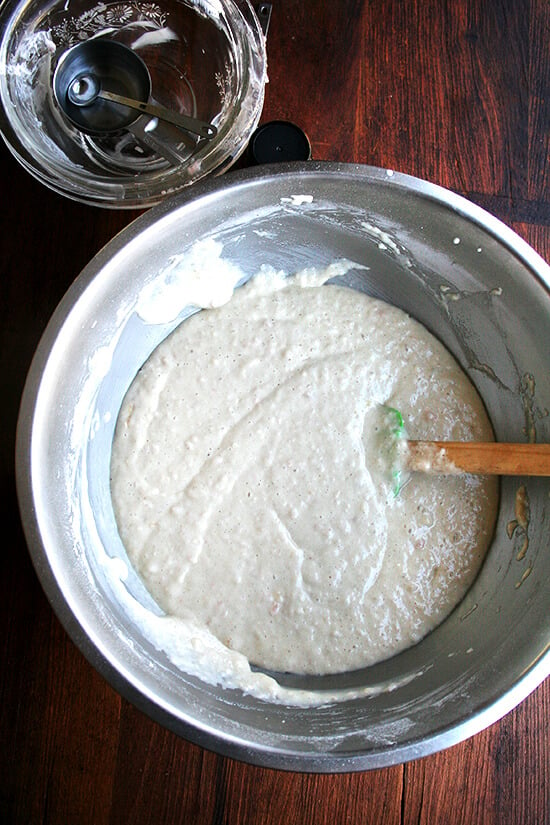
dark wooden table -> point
(453, 91)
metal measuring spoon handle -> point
(189, 124)
(86, 89)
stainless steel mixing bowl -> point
(461, 272)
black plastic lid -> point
(279, 141)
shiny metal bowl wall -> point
(472, 282)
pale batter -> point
(253, 491)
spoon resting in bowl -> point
(86, 89)
(478, 457)
(456, 457)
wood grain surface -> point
(477, 457)
(454, 91)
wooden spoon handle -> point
(448, 457)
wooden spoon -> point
(481, 458)
(454, 457)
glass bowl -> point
(206, 60)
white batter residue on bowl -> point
(251, 486)
(183, 283)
